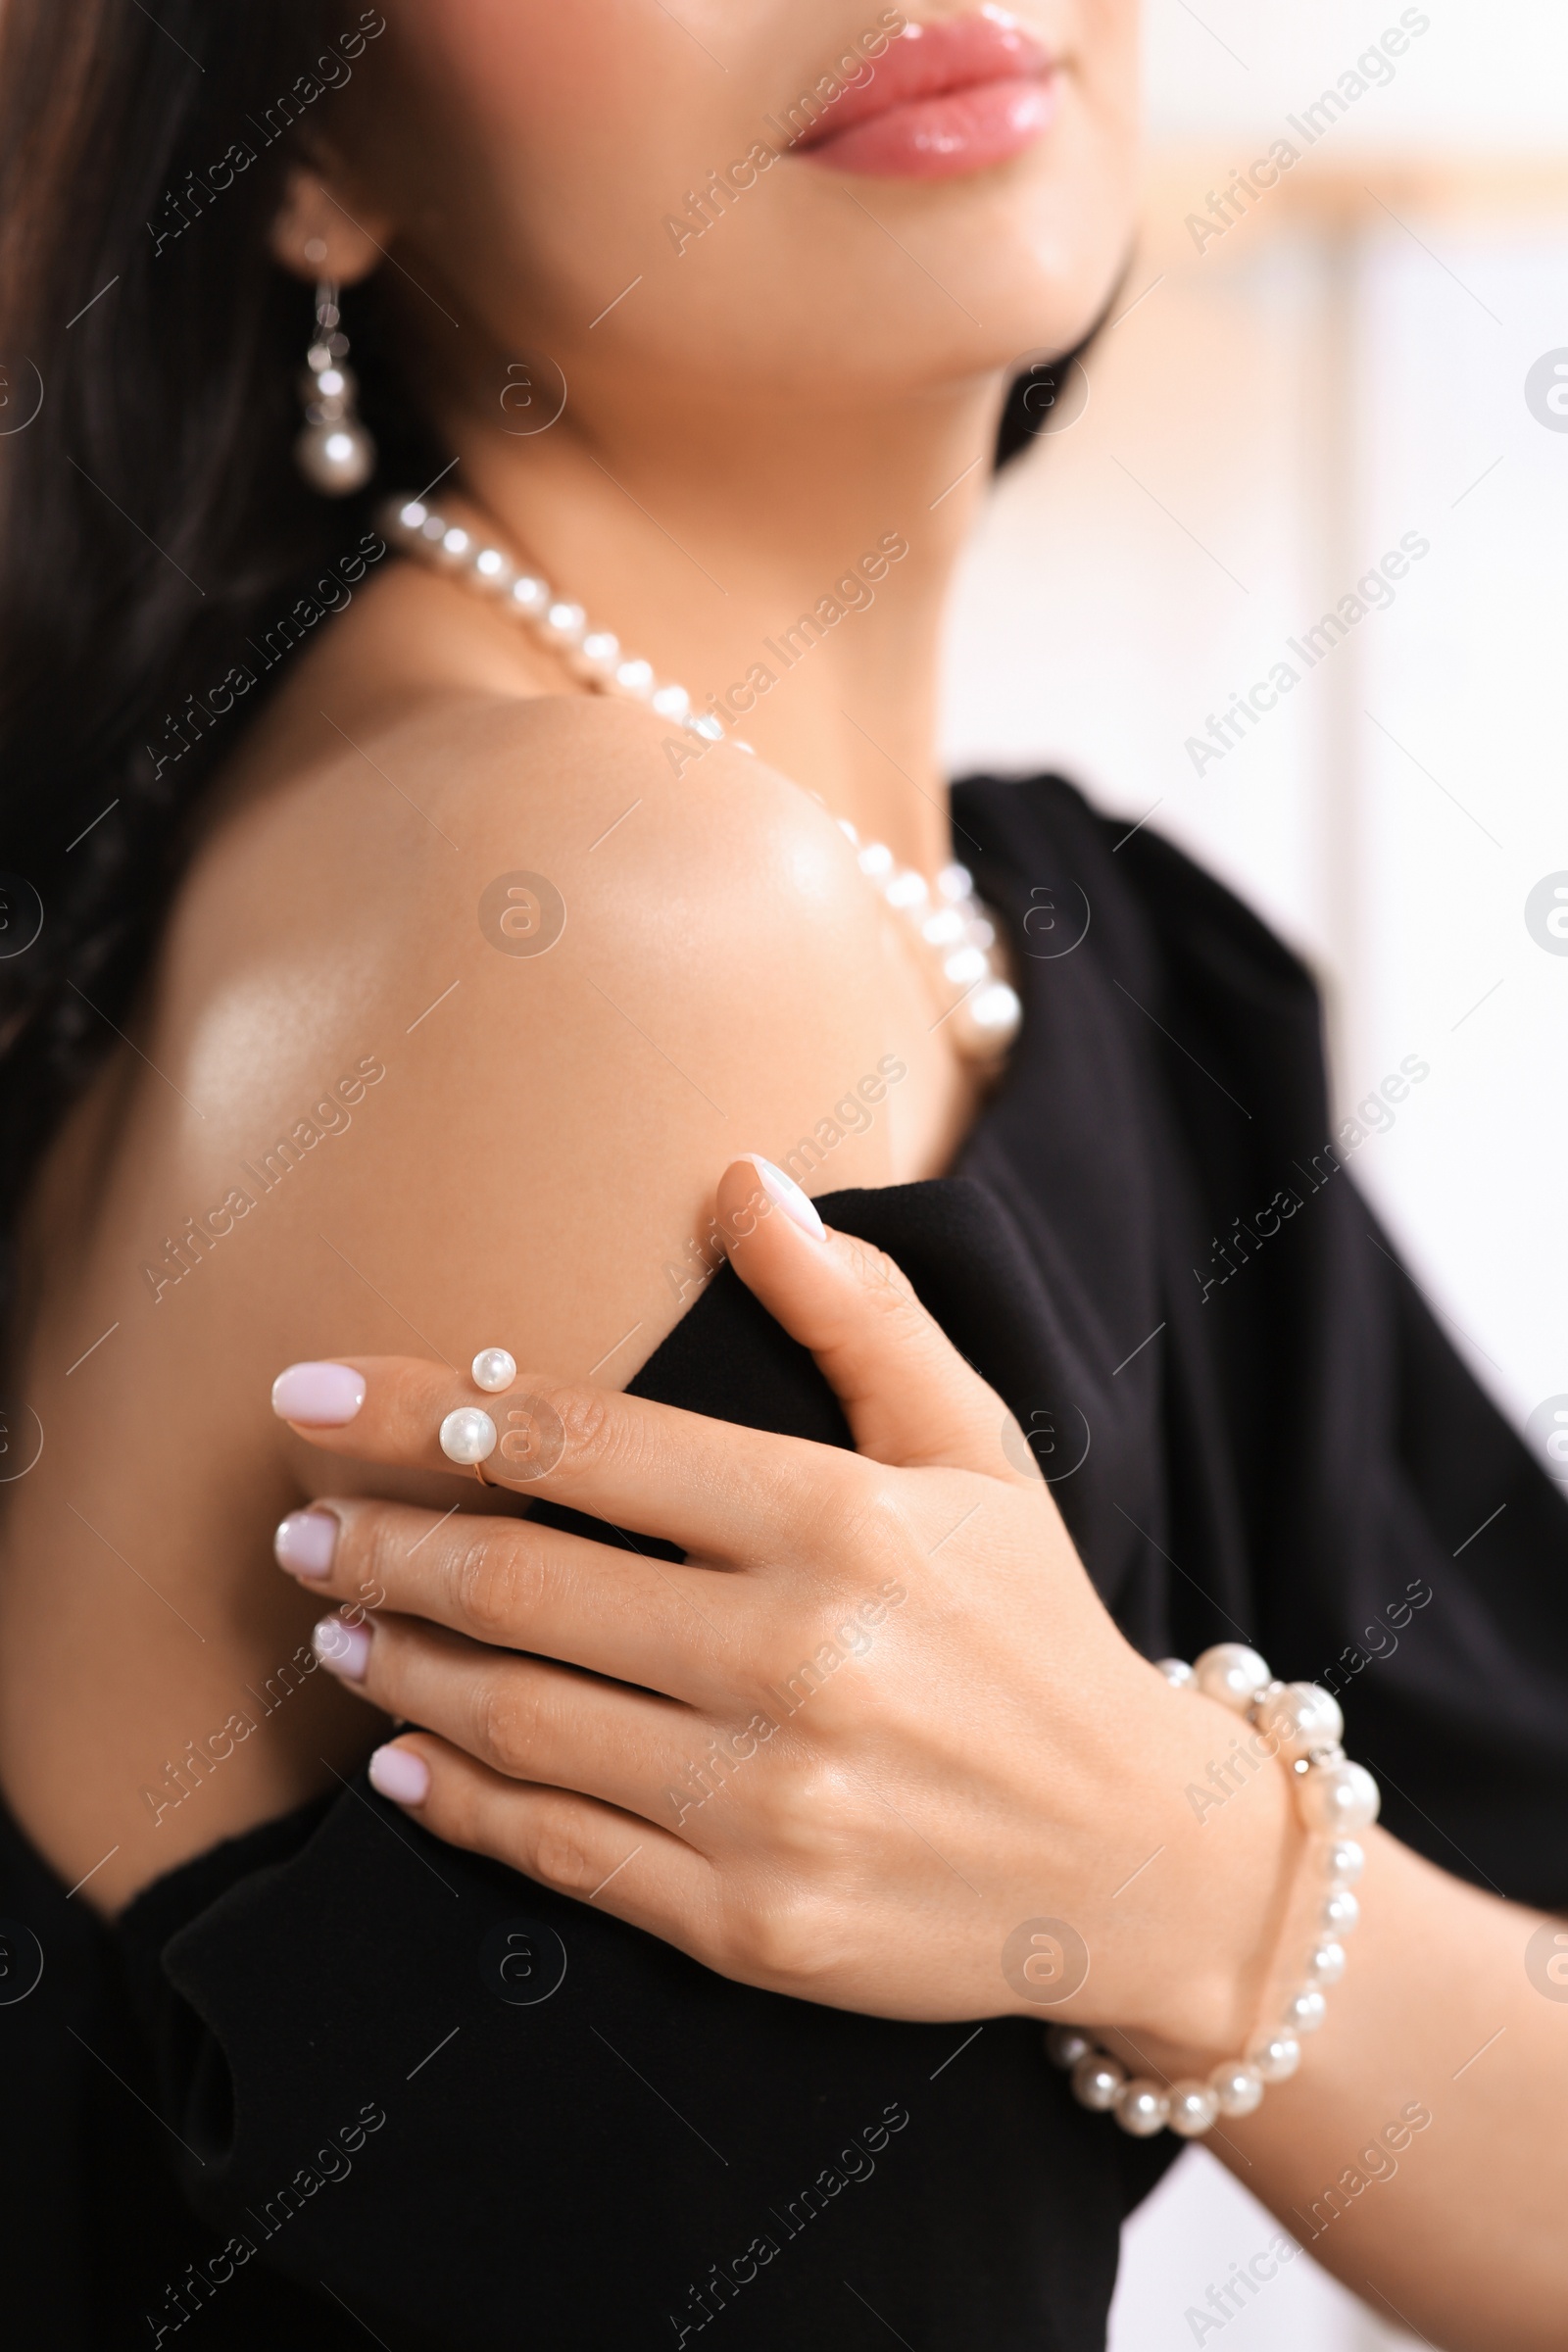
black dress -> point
(329, 2084)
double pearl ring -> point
(468, 1436)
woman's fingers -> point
(525, 1718)
(708, 1485)
(512, 1582)
(614, 1860)
(909, 1398)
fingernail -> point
(786, 1194)
(318, 1395)
(343, 1649)
(304, 1542)
(401, 1774)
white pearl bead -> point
(1194, 2108)
(1095, 2080)
(1340, 1913)
(1300, 1717)
(635, 678)
(530, 596)
(944, 929)
(492, 570)
(965, 966)
(955, 882)
(1065, 2045)
(996, 1012)
(1231, 1673)
(336, 458)
(455, 542)
(1237, 2089)
(1304, 2011)
(1276, 2057)
(565, 624)
(1177, 1673)
(907, 889)
(1327, 1964)
(598, 654)
(412, 514)
(1337, 1797)
(468, 1436)
(1343, 1862)
(1141, 2108)
(876, 860)
(493, 1368)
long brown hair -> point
(151, 520)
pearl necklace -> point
(954, 934)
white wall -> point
(1489, 76)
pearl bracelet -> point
(1334, 1799)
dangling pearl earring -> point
(334, 452)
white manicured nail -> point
(786, 1194)
(343, 1649)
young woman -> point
(440, 933)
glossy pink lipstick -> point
(941, 99)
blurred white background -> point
(1345, 365)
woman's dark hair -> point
(154, 533)
(1042, 394)
(153, 529)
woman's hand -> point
(875, 1744)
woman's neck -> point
(798, 554)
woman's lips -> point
(941, 99)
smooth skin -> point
(745, 417)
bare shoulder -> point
(630, 823)
(588, 966)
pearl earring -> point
(334, 452)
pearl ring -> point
(468, 1435)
